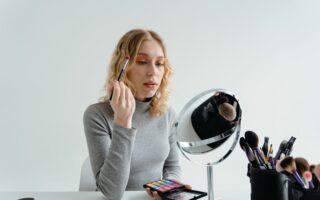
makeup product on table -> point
(171, 190)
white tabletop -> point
(128, 195)
(132, 195)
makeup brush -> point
(265, 146)
(308, 177)
(227, 111)
(289, 146)
(289, 165)
(282, 146)
(250, 155)
(270, 156)
(253, 141)
(302, 165)
(317, 171)
(315, 179)
(278, 167)
(303, 169)
(124, 66)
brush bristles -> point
(252, 139)
(227, 111)
(302, 165)
(287, 162)
(242, 142)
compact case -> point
(171, 190)
(272, 185)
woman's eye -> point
(142, 62)
(160, 64)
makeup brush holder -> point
(270, 184)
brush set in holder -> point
(279, 177)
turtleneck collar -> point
(142, 106)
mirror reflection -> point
(208, 122)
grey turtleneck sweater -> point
(124, 159)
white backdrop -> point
(53, 65)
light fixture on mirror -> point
(208, 129)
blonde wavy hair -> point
(129, 45)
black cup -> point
(272, 185)
(311, 195)
(269, 184)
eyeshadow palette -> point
(169, 189)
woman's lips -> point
(150, 85)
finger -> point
(131, 97)
(149, 191)
(127, 94)
(188, 187)
(155, 195)
(128, 98)
(122, 93)
(116, 92)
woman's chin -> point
(145, 95)
(150, 94)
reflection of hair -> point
(129, 45)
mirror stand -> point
(208, 129)
(210, 182)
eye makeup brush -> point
(124, 66)
(281, 149)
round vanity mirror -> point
(208, 129)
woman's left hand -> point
(153, 194)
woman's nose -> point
(152, 69)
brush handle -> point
(311, 185)
(298, 178)
(262, 160)
(120, 74)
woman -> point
(130, 137)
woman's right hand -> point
(123, 104)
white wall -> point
(53, 64)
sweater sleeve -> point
(171, 169)
(110, 158)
